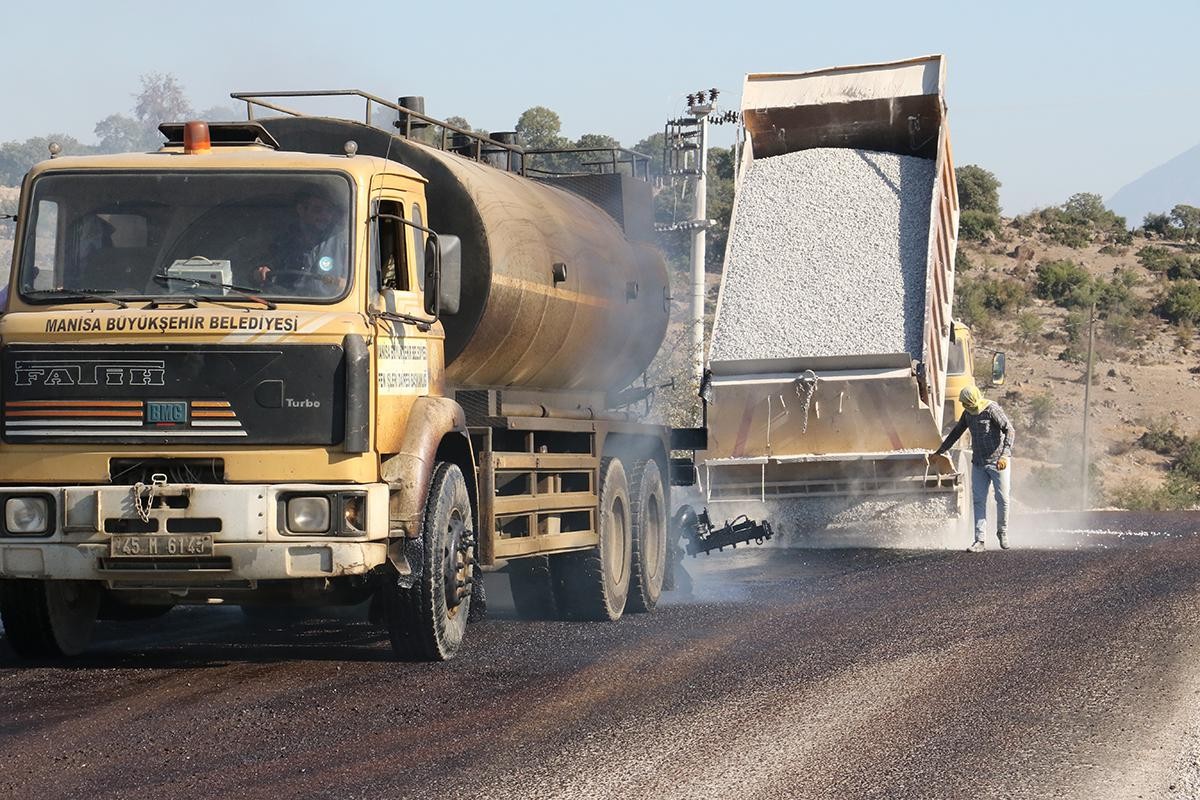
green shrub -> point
(970, 304)
(1003, 294)
(1041, 411)
(1187, 462)
(1029, 326)
(1162, 438)
(962, 261)
(977, 225)
(1181, 302)
(1122, 330)
(1064, 282)
(1173, 494)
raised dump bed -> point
(829, 351)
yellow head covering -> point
(972, 399)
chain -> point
(806, 387)
(143, 495)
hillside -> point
(1147, 370)
(1176, 181)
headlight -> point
(354, 514)
(308, 514)
(26, 515)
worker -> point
(309, 257)
(991, 445)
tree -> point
(226, 114)
(1187, 219)
(17, 157)
(1159, 224)
(539, 129)
(121, 134)
(161, 100)
(978, 189)
(979, 200)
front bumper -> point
(245, 522)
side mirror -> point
(998, 369)
(443, 275)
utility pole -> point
(699, 243)
(1087, 408)
(686, 155)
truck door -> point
(408, 361)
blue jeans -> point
(983, 478)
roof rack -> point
(452, 138)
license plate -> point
(160, 545)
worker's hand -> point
(1002, 463)
(261, 274)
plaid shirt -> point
(991, 435)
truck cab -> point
(960, 372)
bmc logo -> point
(159, 412)
(90, 373)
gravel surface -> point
(828, 257)
(1067, 673)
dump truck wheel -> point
(428, 620)
(648, 512)
(594, 584)
(532, 588)
(49, 619)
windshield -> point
(142, 234)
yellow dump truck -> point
(304, 360)
(833, 427)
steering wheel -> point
(302, 282)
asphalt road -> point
(1069, 670)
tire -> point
(427, 622)
(648, 512)
(49, 619)
(532, 588)
(594, 584)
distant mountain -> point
(1160, 189)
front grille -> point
(166, 564)
(128, 471)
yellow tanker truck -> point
(304, 360)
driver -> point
(309, 256)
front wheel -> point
(49, 619)
(428, 620)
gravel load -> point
(828, 257)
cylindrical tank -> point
(554, 296)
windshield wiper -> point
(100, 295)
(242, 292)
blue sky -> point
(1054, 97)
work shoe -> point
(976, 548)
(1003, 537)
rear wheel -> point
(648, 507)
(49, 619)
(428, 620)
(594, 584)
